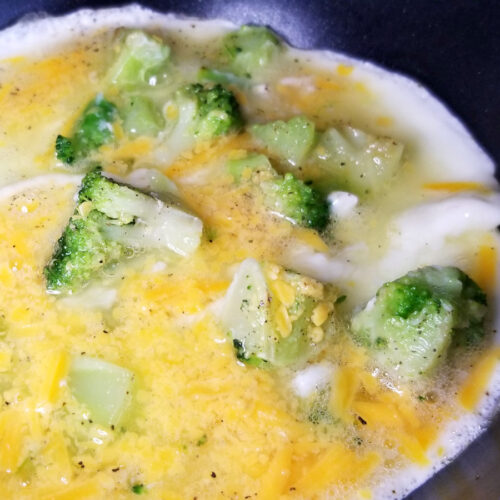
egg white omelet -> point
(233, 269)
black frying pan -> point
(452, 47)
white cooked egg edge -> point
(425, 118)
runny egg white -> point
(201, 423)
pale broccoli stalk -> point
(410, 323)
(272, 321)
(141, 61)
(93, 129)
(289, 141)
(103, 388)
(141, 116)
(222, 77)
(285, 196)
(203, 113)
(352, 160)
(112, 221)
(250, 50)
(252, 167)
(142, 64)
(153, 181)
(342, 158)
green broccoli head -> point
(250, 49)
(111, 221)
(80, 253)
(65, 150)
(116, 201)
(290, 198)
(93, 129)
(405, 298)
(453, 286)
(285, 196)
(140, 61)
(411, 322)
(217, 110)
(203, 113)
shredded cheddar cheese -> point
(197, 419)
(477, 381)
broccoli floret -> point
(410, 323)
(203, 113)
(111, 221)
(250, 50)
(349, 159)
(94, 128)
(290, 141)
(289, 197)
(285, 196)
(80, 253)
(116, 201)
(217, 110)
(269, 321)
(140, 62)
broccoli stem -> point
(110, 222)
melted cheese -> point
(195, 407)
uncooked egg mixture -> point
(233, 269)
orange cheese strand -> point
(276, 477)
(411, 447)
(336, 465)
(206, 152)
(310, 238)
(54, 371)
(12, 434)
(378, 414)
(455, 187)
(475, 384)
(486, 265)
(132, 149)
(346, 385)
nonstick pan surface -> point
(453, 48)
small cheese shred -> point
(476, 382)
